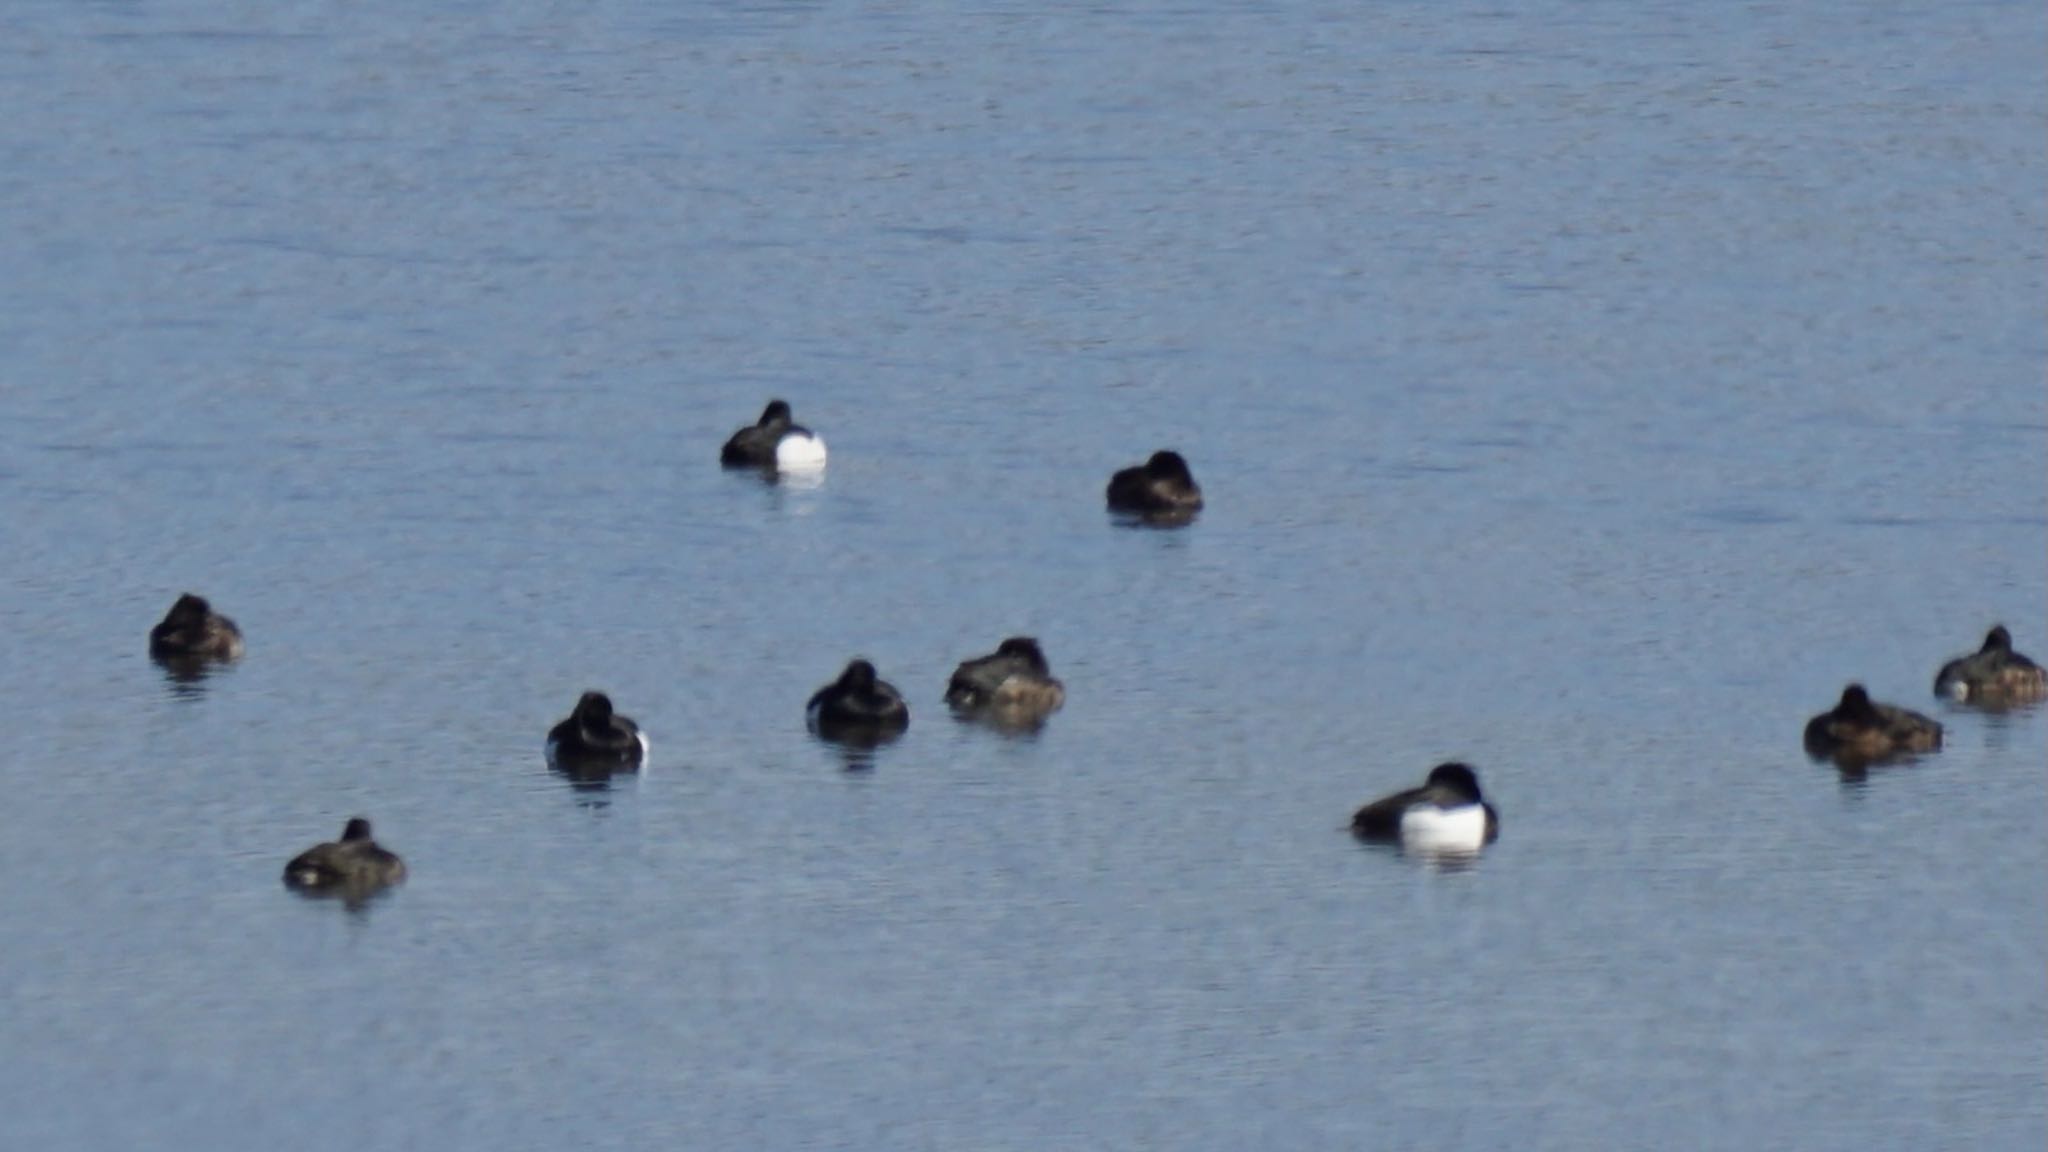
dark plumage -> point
(1859, 731)
(1449, 787)
(758, 445)
(1993, 674)
(192, 630)
(594, 736)
(1013, 685)
(1160, 488)
(858, 707)
(355, 863)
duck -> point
(1014, 684)
(1448, 813)
(192, 630)
(594, 736)
(1862, 731)
(1161, 488)
(859, 707)
(1993, 674)
(356, 862)
(774, 443)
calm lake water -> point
(1587, 390)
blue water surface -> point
(1586, 390)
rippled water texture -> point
(1585, 390)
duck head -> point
(1457, 779)
(594, 710)
(1856, 706)
(190, 609)
(1168, 465)
(1024, 648)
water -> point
(1586, 390)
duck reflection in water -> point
(186, 676)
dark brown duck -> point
(1862, 730)
(192, 630)
(1012, 685)
(1993, 674)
